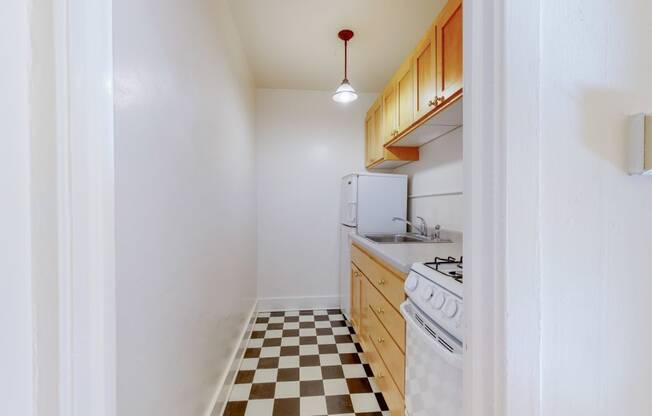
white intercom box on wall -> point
(639, 146)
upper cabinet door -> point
(390, 112)
(425, 75)
(369, 139)
(405, 95)
(448, 27)
(378, 132)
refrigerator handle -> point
(352, 211)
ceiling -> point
(293, 44)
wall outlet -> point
(639, 145)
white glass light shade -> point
(345, 93)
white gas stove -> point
(434, 348)
(436, 288)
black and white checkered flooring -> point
(304, 363)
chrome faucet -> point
(422, 230)
(424, 226)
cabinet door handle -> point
(381, 282)
(356, 274)
(380, 310)
(436, 101)
(380, 340)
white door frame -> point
(84, 80)
(501, 158)
(502, 183)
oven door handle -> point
(454, 359)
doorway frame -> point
(83, 54)
(502, 54)
(502, 46)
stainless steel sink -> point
(402, 238)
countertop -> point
(402, 255)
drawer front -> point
(391, 319)
(391, 355)
(391, 393)
(387, 283)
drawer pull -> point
(380, 310)
(356, 274)
(380, 340)
(381, 282)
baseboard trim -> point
(225, 386)
(296, 303)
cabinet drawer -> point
(387, 283)
(391, 319)
(391, 393)
(390, 353)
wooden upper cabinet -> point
(449, 35)
(378, 132)
(369, 139)
(374, 133)
(427, 84)
(425, 74)
(390, 113)
(405, 95)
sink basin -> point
(401, 238)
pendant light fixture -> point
(345, 92)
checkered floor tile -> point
(304, 363)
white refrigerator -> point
(368, 202)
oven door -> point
(433, 374)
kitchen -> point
(370, 166)
(267, 207)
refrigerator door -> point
(345, 269)
(349, 200)
(381, 198)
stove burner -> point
(449, 267)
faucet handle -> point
(437, 232)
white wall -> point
(44, 214)
(185, 196)
(28, 246)
(596, 224)
(436, 183)
(17, 382)
(306, 143)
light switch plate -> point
(639, 145)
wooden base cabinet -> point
(377, 290)
(356, 278)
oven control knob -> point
(450, 309)
(438, 301)
(412, 282)
(426, 293)
(458, 319)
